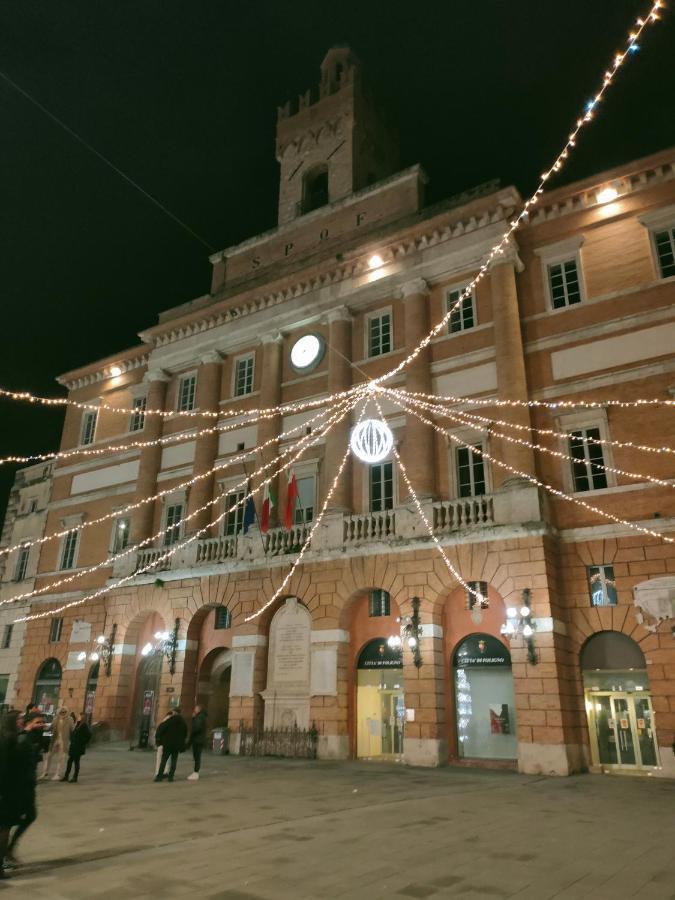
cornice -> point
(100, 371)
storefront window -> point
(48, 687)
(484, 699)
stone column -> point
(209, 376)
(270, 396)
(425, 739)
(328, 689)
(249, 664)
(417, 449)
(511, 378)
(150, 458)
(339, 379)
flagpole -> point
(255, 509)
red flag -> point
(291, 500)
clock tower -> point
(332, 144)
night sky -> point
(182, 97)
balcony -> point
(516, 505)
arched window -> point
(48, 686)
(315, 189)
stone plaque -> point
(242, 673)
(289, 650)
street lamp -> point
(519, 622)
(166, 644)
(410, 633)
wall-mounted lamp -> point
(519, 622)
(103, 649)
(410, 633)
(166, 644)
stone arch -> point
(47, 685)
(132, 668)
(199, 641)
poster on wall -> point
(499, 718)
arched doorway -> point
(48, 687)
(618, 703)
(380, 707)
(213, 689)
(148, 677)
(484, 699)
(90, 692)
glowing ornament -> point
(372, 440)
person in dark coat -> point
(170, 735)
(197, 739)
(80, 737)
(19, 757)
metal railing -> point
(291, 743)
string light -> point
(117, 513)
(556, 166)
(427, 524)
(27, 397)
(220, 428)
(311, 439)
(167, 554)
(543, 404)
(547, 487)
(461, 420)
(582, 439)
(308, 539)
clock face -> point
(307, 352)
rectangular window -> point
(55, 629)
(665, 251)
(464, 316)
(174, 514)
(137, 421)
(587, 471)
(480, 601)
(243, 376)
(379, 604)
(88, 427)
(68, 549)
(304, 508)
(223, 617)
(121, 534)
(563, 282)
(470, 471)
(381, 487)
(32, 505)
(4, 683)
(602, 585)
(187, 387)
(7, 636)
(379, 334)
(22, 563)
(234, 520)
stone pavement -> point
(267, 829)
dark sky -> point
(182, 96)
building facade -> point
(25, 520)
(579, 308)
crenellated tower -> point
(332, 144)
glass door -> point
(622, 730)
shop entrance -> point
(380, 709)
(618, 704)
(147, 697)
(484, 700)
(48, 687)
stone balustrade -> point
(511, 504)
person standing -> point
(18, 768)
(80, 737)
(171, 735)
(197, 739)
(62, 729)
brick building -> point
(579, 308)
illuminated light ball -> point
(115, 371)
(375, 261)
(372, 440)
(305, 351)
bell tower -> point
(333, 143)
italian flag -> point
(291, 500)
(268, 505)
